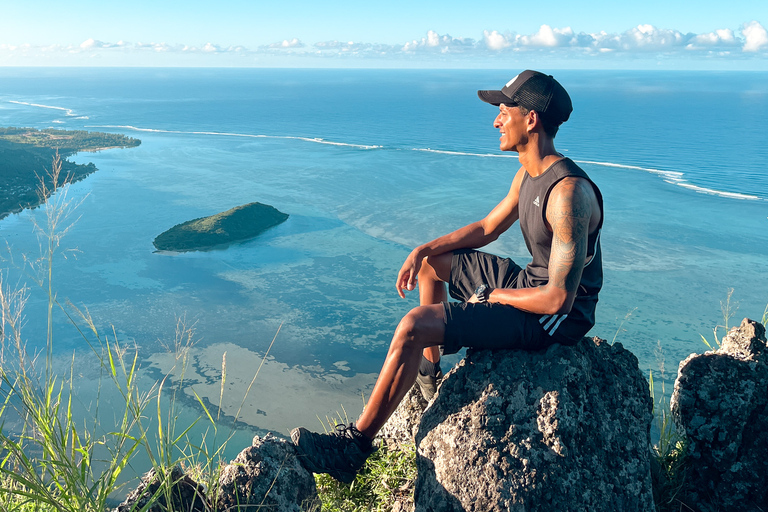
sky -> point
(591, 34)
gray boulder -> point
(266, 476)
(565, 429)
(402, 426)
(720, 404)
(179, 493)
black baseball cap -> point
(534, 91)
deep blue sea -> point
(368, 164)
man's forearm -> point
(543, 300)
(471, 236)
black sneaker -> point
(428, 384)
(341, 454)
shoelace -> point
(347, 431)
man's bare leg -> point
(434, 273)
(421, 328)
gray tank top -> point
(534, 192)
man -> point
(502, 305)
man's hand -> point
(409, 272)
(473, 299)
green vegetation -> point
(388, 476)
(67, 142)
(55, 456)
(234, 225)
(667, 469)
(26, 153)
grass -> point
(56, 453)
(667, 455)
(387, 477)
(728, 310)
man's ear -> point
(532, 120)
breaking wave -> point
(316, 140)
(67, 111)
(672, 177)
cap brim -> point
(495, 98)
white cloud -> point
(558, 42)
(286, 44)
(495, 41)
(94, 44)
(755, 36)
(434, 42)
(722, 37)
(548, 37)
(159, 47)
(648, 37)
(348, 47)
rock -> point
(268, 475)
(399, 433)
(565, 429)
(720, 404)
(402, 426)
(183, 494)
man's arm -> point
(472, 236)
(571, 210)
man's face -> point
(511, 125)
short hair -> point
(549, 127)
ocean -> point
(369, 164)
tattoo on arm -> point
(569, 215)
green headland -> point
(235, 225)
(26, 155)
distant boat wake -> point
(672, 177)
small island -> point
(26, 156)
(236, 225)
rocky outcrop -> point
(403, 425)
(179, 493)
(265, 476)
(720, 404)
(565, 429)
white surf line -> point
(316, 140)
(67, 111)
(462, 153)
(672, 177)
(676, 178)
(704, 190)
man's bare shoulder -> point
(518, 180)
(574, 196)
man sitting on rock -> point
(503, 306)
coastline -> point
(27, 156)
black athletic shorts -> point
(489, 325)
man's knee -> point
(422, 326)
